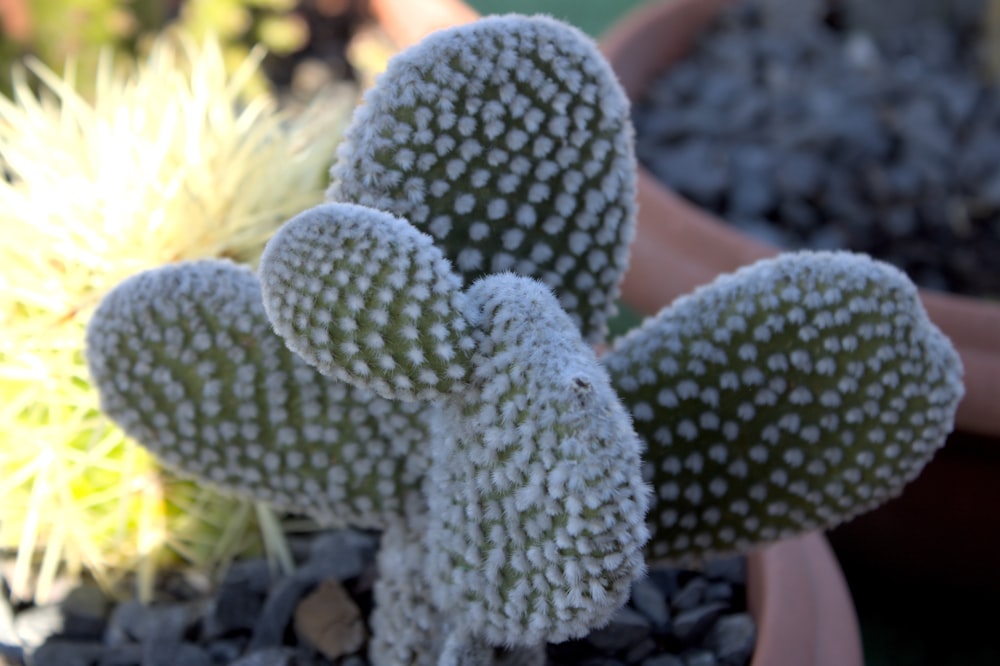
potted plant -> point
(414, 356)
(932, 524)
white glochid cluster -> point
(509, 141)
(536, 497)
(185, 361)
(367, 299)
(789, 396)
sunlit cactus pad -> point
(509, 141)
(790, 395)
(537, 502)
(185, 361)
(366, 298)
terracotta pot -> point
(685, 246)
(406, 22)
(802, 606)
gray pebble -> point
(690, 625)
(699, 658)
(627, 627)
(270, 656)
(663, 660)
(733, 638)
(648, 599)
(640, 651)
(173, 653)
(721, 591)
(691, 595)
(66, 653)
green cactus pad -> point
(185, 361)
(537, 504)
(791, 395)
(367, 299)
(508, 140)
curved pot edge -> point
(802, 606)
(698, 245)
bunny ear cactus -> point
(185, 360)
(536, 501)
(789, 396)
(366, 298)
(508, 140)
(538, 510)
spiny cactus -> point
(789, 396)
(536, 498)
(537, 510)
(509, 141)
(185, 361)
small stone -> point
(269, 656)
(648, 599)
(66, 653)
(663, 660)
(353, 660)
(122, 655)
(640, 651)
(699, 658)
(237, 603)
(126, 624)
(627, 627)
(692, 624)
(225, 650)
(690, 595)
(165, 653)
(329, 620)
(667, 580)
(733, 638)
(348, 550)
(721, 591)
(85, 609)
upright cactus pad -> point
(185, 361)
(366, 298)
(788, 396)
(537, 503)
(509, 141)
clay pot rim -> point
(802, 606)
(640, 46)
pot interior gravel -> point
(256, 617)
(828, 137)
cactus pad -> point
(509, 141)
(788, 396)
(366, 298)
(536, 497)
(185, 361)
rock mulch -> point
(829, 137)
(317, 616)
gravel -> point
(831, 137)
(317, 616)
